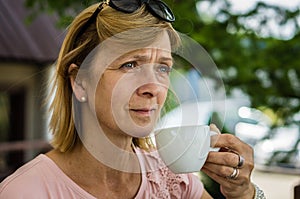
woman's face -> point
(133, 89)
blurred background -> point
(255, 45)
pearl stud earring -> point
(83, 99)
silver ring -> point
(241, 161)
(234, 174)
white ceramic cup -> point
(184, 149)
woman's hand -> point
(231, 166)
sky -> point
(285, 31)
(244, 4)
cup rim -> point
(158, 130)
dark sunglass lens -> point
(161, 10)
(127, 6)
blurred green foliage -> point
(265, 68)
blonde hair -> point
(75, 48)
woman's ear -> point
(78, 86)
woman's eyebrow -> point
(146, 57)
(141, 57)
(166, 59)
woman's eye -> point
(133, 66)
(164, 69)
(128, 65)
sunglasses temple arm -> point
(90, 20)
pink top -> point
(41, 178)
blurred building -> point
(26, 51)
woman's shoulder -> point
(27, 178)
(40, 178)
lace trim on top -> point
(165, 184)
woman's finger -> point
(223, 158)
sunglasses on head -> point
(156, 7)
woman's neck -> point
(94, 176)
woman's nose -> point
(152, 84)
(149, 90)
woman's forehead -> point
(119, 44)
(111, 51)
(148, 53)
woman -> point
(111, 83)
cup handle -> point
(213, 133)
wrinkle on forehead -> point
(146, 55)
(116, 48)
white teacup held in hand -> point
(184, 149)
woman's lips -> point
(143, 111)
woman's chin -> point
(138, 131)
